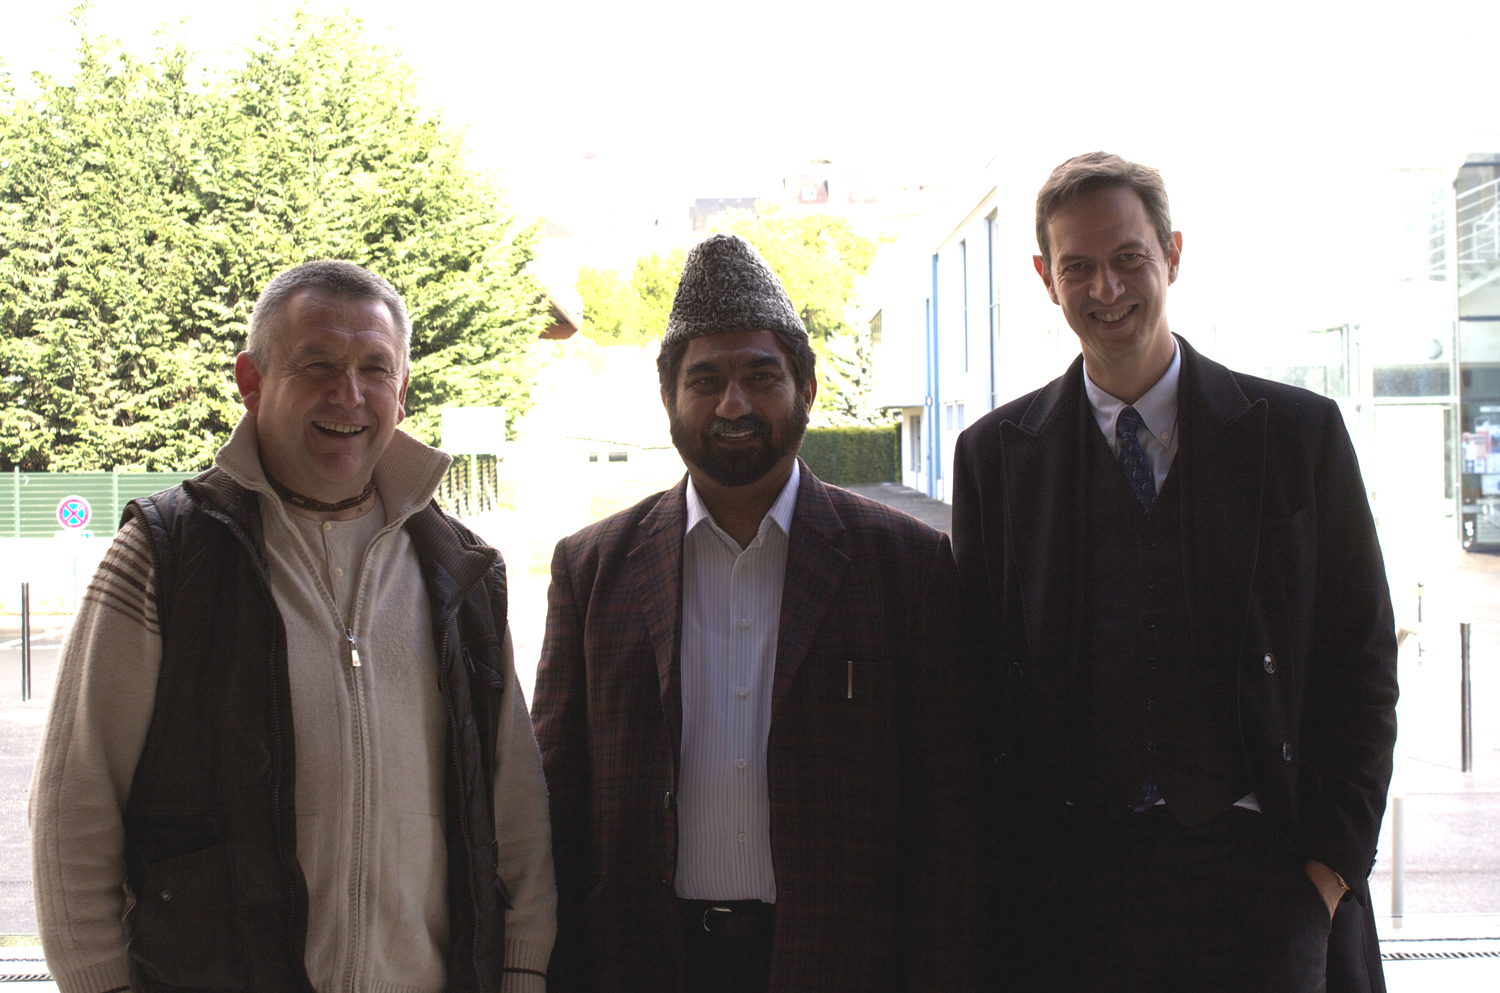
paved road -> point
(904, 498)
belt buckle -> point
(711, 910)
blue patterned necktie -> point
(1143, 484)
(1133, 458)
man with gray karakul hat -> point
(751, 704)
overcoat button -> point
(1286, 751)
(166, 894)
(1015, 670)
(1269, 662)
(666, 801)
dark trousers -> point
(1221, 907)
(727, 945)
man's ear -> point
(810, 391)
(1174, 256)
(401, 399)
(247, 378)
(665, 401)
(1046, 274)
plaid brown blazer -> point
(872, 816)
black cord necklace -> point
(318, 506)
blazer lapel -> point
(656, 572)
(1224, 437)
(1044, 459)
(815, 569)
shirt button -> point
(327, 526)
(744, 623)
(744, 691)
(740, 837)
(338, 572)
(741, 764)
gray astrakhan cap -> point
(727, 286)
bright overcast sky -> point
(1259, 113)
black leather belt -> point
(728, 918)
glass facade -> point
(1477, 265)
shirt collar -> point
(1157, 406)
(780, 512)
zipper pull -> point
(353, 648)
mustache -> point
(720, 426)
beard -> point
(739, 467)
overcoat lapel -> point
(656, 576)
(1224, 439)
(815, 569)
(1044, 459)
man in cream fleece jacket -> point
(297, 624)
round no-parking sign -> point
(73, 513)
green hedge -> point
(847, 456)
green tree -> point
(610, 307)
(655, 284)
(143, 205)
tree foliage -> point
(610, 308)
(633, 311)
(143, 205)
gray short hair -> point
(1083, 174)
(341, 279)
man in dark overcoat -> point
(752, 706)
(1171, 572)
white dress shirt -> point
(1158, 436)
(1158, 410)
(731, 616)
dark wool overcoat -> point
(1286, 589)
(872, 797)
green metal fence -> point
(29, 501)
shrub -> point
(848, 456)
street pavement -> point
(1448, 936)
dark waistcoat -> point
(210, 829)
(1150, 707)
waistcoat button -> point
(1269, 662)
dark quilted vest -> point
(210, 830)
(1151, 708)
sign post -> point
(74, 513)
(25, 641)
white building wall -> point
(980, 362)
